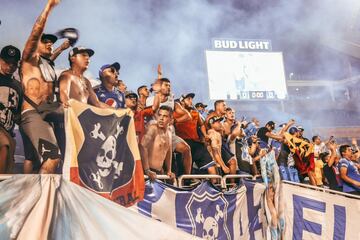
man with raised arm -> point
(188, 131)
(131, 101)
(219, 111)
(39, 80)
(163, 86)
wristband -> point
(147, 171)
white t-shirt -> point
(170, 102)
(319, 148)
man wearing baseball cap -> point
(107, 92)
(73, 83)
(41, 92)
(301, 133)
(221, 155)
(201, 108)
(188, 131)
(266, 133)
(10, 105)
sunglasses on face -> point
(132, 98)
(46, 41)
(112, 70)
(12, 63)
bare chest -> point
(162, 141)
(34, 83)
(79, 90)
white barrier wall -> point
(313, 214)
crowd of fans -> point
(175, 136)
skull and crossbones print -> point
(105, 159)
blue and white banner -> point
(46, 206)
(207, 212)
(312, 214)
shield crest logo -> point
(105, 160)
(208, 216)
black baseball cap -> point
(271, 124)
(191, 95)
(130, 94)
(301, 128)
(293, 130)
(50, 37)
(10, 54)
(70, 33)
(77, 50)
(200, 104)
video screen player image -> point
(246, 75)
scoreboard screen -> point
(246, 75)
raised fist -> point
(65, 45)
(53, 3)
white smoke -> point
(142, 34)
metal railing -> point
(200, 176)
(163, 177)
(235, 176)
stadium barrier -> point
(179, 182)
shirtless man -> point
(163, 86)
(219, 111)
(156, 146)
(73, 84)
(221, 156)
(38, 79)
(232, 129)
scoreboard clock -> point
(257, 94)
(254, 95)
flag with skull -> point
(102, 153)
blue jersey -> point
(114, 98)
(352, 172)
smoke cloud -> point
(142, 34)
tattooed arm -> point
(65, 45)
(38, 28)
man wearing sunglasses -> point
(107, 91)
